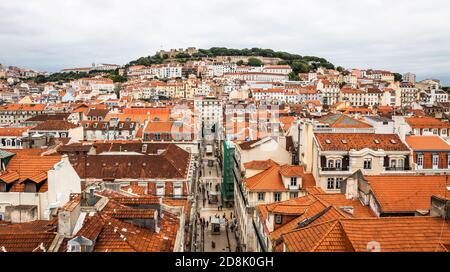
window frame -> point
(263, 198)
(330, 181)
(278, 219)
(294, 181)
(367, 165)
(277, 197)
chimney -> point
(68, 217)
(351, 188)
(440, 206)
(157, 227)
(91, 196)
(347, 209)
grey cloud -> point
(399, 35)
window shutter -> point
(323, 162)
(386, 161)
(407, 162)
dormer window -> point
(330, 164)
(293, 181)
(368, 163)
(278, 219)
(160, 189)
(261, 196)
(2, 187)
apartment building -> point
(336, 156)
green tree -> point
(398, 77)
(293, 76)
(182, 56)
(240, 63)
(254, 62)
(299, 66)
(117, 78)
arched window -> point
(338, 163)
(400, 163)
(330, 164)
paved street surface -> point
(209, 184)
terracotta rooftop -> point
(427, 143)
(51, 125)
(426, 122)
(313, 209)
(35, 236)
(172, 163)
(406, 193)
(259, 165)
(385, 234)
(28, 168)
(16, 132)
(358, 141)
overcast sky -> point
(400, 35)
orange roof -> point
(23, 107)
(427, 143)
(426, 122)
(292, 170)
(287, 121)
(166, 127)
(406, 193)
(259, 165)
(359, 141)
(315, 208)
(10, 131)
(30, 166)
(391, 234)
(269, 180)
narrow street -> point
(216, 234)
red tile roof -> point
(28, 167)
(259, 165)
(16, 132)
(57, 125)
(427, 143)
(359, 141)
(406, 193)
(385, 234)
(426, 122)
(32, 236)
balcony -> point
(397, 168)
(344, 168)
